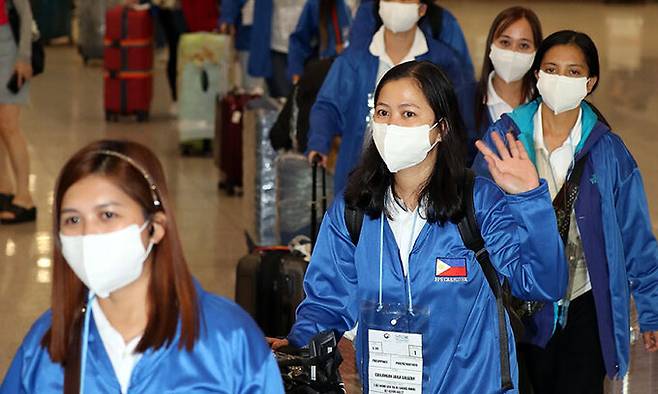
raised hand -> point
(511, 168)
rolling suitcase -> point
(294, 185)
(269, 282)
(204, 67)
(228, 136)
(91, 27)
(269, 286)
(128, 58)
(258, 170)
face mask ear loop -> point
(85, 340)
(380, 305)
(439, 137)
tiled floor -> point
(66, 113)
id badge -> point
(395, 362)
(394, 356)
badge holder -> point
(393, 347)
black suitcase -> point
(269, 282)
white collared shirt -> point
(122, 355)
(404, 231)
(378, 48)
(496, 105)
(285, 15)
(554, 168)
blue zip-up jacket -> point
(230, 356)
(615, 227)
(232, 15)
(461, 337)
(341, 108)
(305, 39)
(364, 27)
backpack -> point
(472, 238)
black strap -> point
(566, 197)
(470, 233)
(354, 222)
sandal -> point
(21, 214)
(5, 201)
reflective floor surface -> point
(66, 113)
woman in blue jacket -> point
(443, 27)
(611, 249)
(126, 315)
(506, 80)
(274, 22)
(345, 99)
(427, 317)
(321, 30)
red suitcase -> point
(128, 59)
(230, 137)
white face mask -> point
(561, 93)
(399, 17)
(107, 262)
(402, 147)
(509, 65)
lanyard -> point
(407, 276)
(85, 339)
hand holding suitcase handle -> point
(315, 157)
(277, 343)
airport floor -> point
(66, 113)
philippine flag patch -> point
(451, 269)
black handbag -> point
(312, 369)
(38, 53)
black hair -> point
(368, 184)
(502, 21)
(586, 46)
(433, 16)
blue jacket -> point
(305, 39)
(230, 356)
(615, 227)
(260, 59)
(232, 15)
(341, 107)
(461, 336)
(364, 27)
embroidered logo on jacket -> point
(451, 269)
